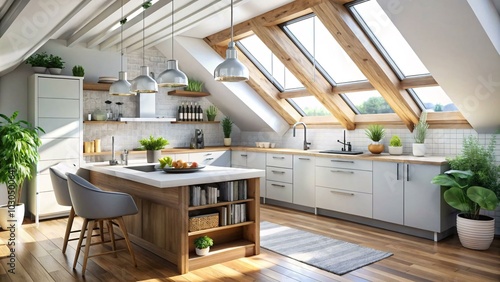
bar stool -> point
(94, 204)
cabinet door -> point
(388, 192)
(304, 192)
(239, 159)
(257, 160)
(422, 200)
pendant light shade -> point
(172, 76)
(144, 83)
(122, 86)
(231, 70)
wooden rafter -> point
(295, 61)
(354, 41)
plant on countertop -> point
(375, 132)
(203, 242)
(194, 85)
(153, 144)
(38, 60)
(395, 141)
(420, 129)
(19, 143)
(55, 62)
(78, 71)
(227, 127)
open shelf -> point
(103, 121)
(219, 228)
(221, 253)
(188, 93)
(220, 204)
(96, 86)
(194, 122)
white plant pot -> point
(55, 70)
(227, 142)
(4, 216)
(202, 252)
(396, 150)
(39, 69)
(418, 149)
(152, 156)
(476, 234)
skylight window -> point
(434, 99)
(316, 42)
(367, 102)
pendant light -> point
(144, 83)
(231, 70)
(122, 86)
(172, 76)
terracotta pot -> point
(153, 155)
(476, 234)
(202, 252)
(396, 150)
(376, 148)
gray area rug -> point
(319, 251)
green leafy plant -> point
(55, 62)
(227, 126)
(212, 110)
(19, 143)
(147, 4)
(194, 85)
(395, 141)
(203, 242)
(375, 132)
(153, 144)
(78, 71)
(420, 129)
(38, 60)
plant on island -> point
(153, 144)
(203, 242)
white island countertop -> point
(161, 179)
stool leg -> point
(87, 247)
(121, 224)
(101, 230)
(112, 235)
(80, 240)
(68, 229)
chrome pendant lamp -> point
(231, 70)
(144, 83)
(122, 86)
(172, 76)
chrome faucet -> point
(306, 144)
(113, 161)
(346, 144)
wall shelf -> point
(193, 122)
(188, 93)
(103, 121)
(96, 86)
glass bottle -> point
(109, 111)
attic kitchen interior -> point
(255, 128)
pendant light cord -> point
(143, 34)
(172, 29)
(232, 21)
(121, 39)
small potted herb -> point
(38, 62)
(227, 127)
(203, 245)
(194, 85)
(211, 113)
(395, 146)
(419, 134)
(153, 147)
(78, 71)
(375, 132)
(55, 64)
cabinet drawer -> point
(345, 179)
(58, 108)
(59, 127)
(59, 88)
(43, 166)
(279, 191)
(279, 160)
(354, 203)
(279, 174)
(344, 163)
(206, 158)
(60, 148)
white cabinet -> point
(304, 170)
(279, 177)
(55, 104)
(216, 158)
(248, 159)
(388, 192)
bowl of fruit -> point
(179, 166)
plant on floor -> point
(375, 132)
(227, 127)
(19, 143)
(153, 143)
(203, 242)
(38, 60)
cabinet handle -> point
(342, 161)
(397, 171)
(278, 185)
(277, 171)
(209, 159)
(407, 172)
(244, 155)
(305, 159)
(208, 154)
(343, 171)
(279, 158)
(343, 193)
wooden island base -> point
(161, 226)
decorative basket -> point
(205, 221)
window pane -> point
(310, 106)
(390, 38)
(368, 102)
(271, 64)
(320, 44)
(435, 99)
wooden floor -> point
(39, 257)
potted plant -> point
(211, 113)
(395, 145)
(419, 134)
(55, 64)
(375, 132)
(227, 127)
(153, 147)
(474, 184)
(19, 145)
(194, 85)
(78, 71)
(203, 245)
(38, 62)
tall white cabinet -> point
(55, 104)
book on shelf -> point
(237, 213)
(218, 192)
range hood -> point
(146, 110)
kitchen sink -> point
(143, 168)
(341, 152)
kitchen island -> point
(163, 200)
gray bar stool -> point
(94, 204)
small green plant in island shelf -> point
(395, 145)
(375, 132)
(203, 244)
(153, 147)
(227, 127)
(211, 112)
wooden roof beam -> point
(295, 61)
(353, 40)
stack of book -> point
(218, 192)
(235, 213)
